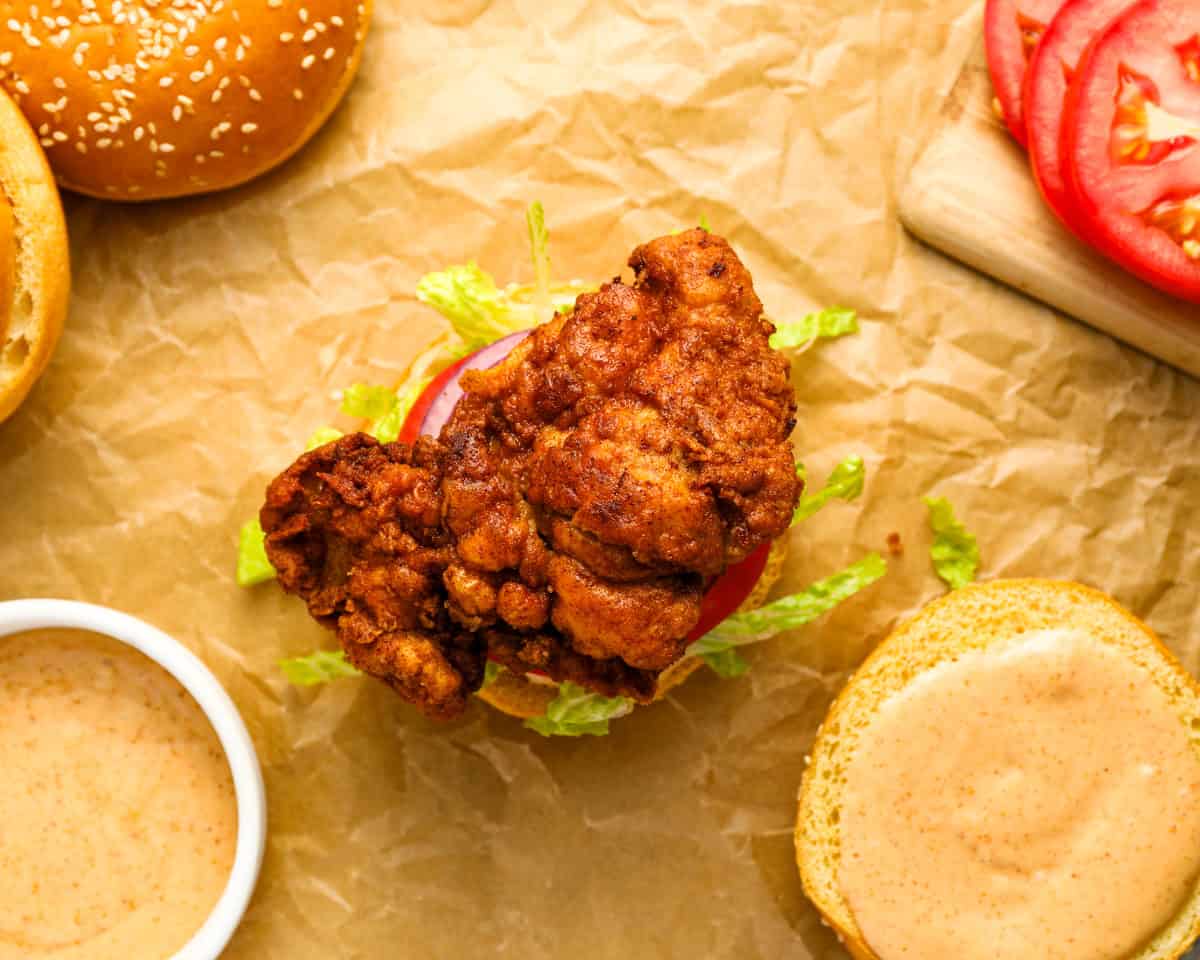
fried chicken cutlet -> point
(576, 505)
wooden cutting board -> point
(971, 195)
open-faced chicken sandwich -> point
(566, 504)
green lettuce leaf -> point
(322, 436)
(844, 483)
(704, 224)
(955, 552)
(577, 712)
(788, 613)
(728, 663)
(365, 401)
(252, 564)
(385, 429)
(824, 324)
(319, 667)
(491, 670)
(478, 310)
(539, 250)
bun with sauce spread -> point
(1015, 772)
(137, 100)
(34, 271)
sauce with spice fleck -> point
(1037, 798)
(118, 818)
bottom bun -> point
(528, 697)
(34, 275)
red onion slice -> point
(444, 403)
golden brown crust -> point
(39, 281)
(969, 619)
(520, 697)
(186, 97)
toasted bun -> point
(520, 697)
(34, 273)
(967, 619)
(135, 100)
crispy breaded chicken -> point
(578, 502)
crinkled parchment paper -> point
(207, 338)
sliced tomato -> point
(1012, 30)
(416, 416)
(1054, 64)
(728, 592)
(1131, 143)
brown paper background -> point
(207, 337)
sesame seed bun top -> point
(137, 99)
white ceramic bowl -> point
(17, 616)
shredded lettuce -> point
(824, 324)
(790, 612)
(727, 663)
(539, 250)
(491, 670)
(955, 552)
(844, 483)
(253, 567)
(478, 311)
(577, 712)
(319, 667)
(704, 224)
(365, 401)
(322, 436)
(387, 428)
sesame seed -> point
(46, 142)
(166, 147)
(216, 96)
(244, 80)
(59, 136)
(321, 28)
(249, 127)
(337, 21)
(328, 54)
(81, 146)
(307, 62)
(309, 35)
(59, 83)
(220, 43)
(304, 14)
(104, 143)
(298, 93)
(138, 133)
(5, 58)
(196, 76)
(255, 95)
(191, 50)
(216, 154)
(286, 37)
(177, 113)
(274, 4)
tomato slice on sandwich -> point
(1131, 143)
(1012, 30)
(1054, 65)
(433, 407)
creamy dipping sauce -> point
(118, 820)
(1040, 799)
